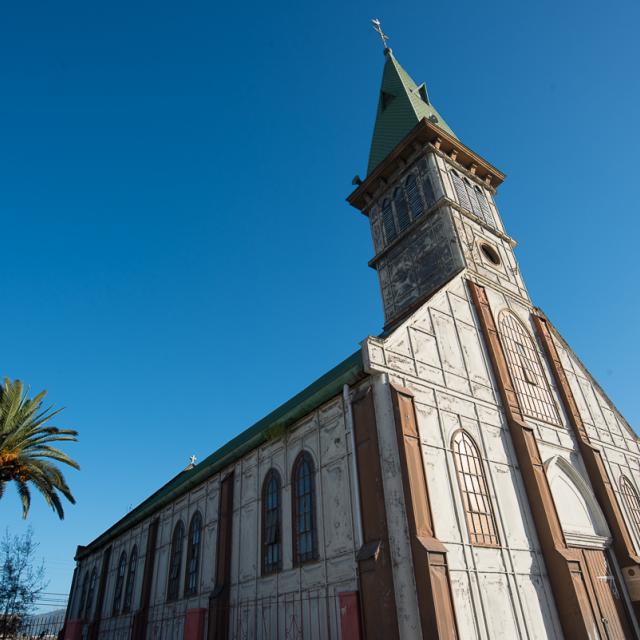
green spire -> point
(401, 106)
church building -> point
(460, 476)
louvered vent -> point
(484, 206)
(413, 195)
(461, 191)
(388, 223)
(402, 210)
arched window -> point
(193, 555)
(83, 595)
(632, 501)
(304, 510)
(271, 523)
(175, 560)
(484, 206)
(402, 210)
(478, 509)
(526, 370)
(117, 594)
(461, 190)
(413, 195)
(131, 580)
(91, 593)
(388, 221)
(473, 199)
(429, 193)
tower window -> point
(402, 210)
(131, 579)
(388, 222)
(305, 547)
(484, 207)
(472, 482)
(175, 560)
(271, 523)
(117, 597)
(472, 198)
(632, 501)
(461, 190)
(525, 367)
(413, 195)
(193, 555)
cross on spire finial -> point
(377, 27)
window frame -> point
(83, 594)
(131, 578)
(175, 562)
(192, 567)
(304, 457)
(630, 493)
(526, 369)
(476, 478)
(118, 591)
(88, 607)
(266, 567)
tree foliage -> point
(21, 580)
(27, 456)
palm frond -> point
(26, 451)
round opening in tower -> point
(490, 254)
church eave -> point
(425, 132)
(349, 371)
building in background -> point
(462, 475)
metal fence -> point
(39, 627)
(292, 616)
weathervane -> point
(378, 29)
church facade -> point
(461, 475)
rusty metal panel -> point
(350, 616)
(421, 263)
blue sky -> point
(178, 256)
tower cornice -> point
(425, 132)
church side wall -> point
(304, 597)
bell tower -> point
(430, 202)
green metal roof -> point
(402, 104)
(323, 389)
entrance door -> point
(609, 598)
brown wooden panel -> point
(140, 618)
(377, 595)
(218, 625)
(94, 627)
(571, 598)
(608, 595)
(433, 588)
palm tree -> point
(25, 447)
